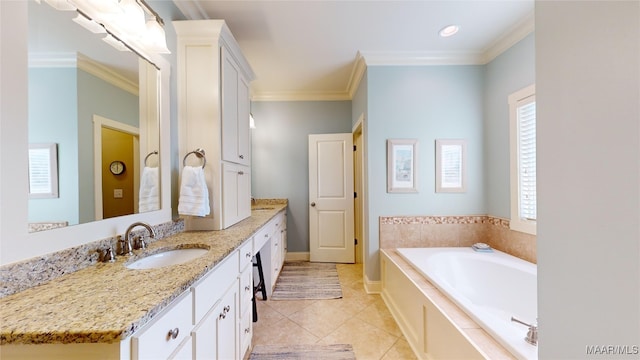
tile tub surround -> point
(25, 274)
(442, 231)
(108, 302)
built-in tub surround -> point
(107, 302)
(452, 231)
(491, 287)
(32, 272)
(418, 306)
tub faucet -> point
(532, 334)
(127, 246)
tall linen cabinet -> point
(213, 115)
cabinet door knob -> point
(313, 204)
(241, 156)
(248, 255)
(173, 333)
(247, 288)
(240, 172)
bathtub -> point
(489, 287)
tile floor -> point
(359, 319)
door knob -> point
(313, 204)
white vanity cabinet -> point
(216, 314)
(245, 292)
(236, 182)
(213, 114)
(165, 335)
(270, 240)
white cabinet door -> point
(235, 112)
(204, 336)
(227, 325)
(236, 193)
(244, 132)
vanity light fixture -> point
(89, 24)
(125, 22)
(449, 30)
(119, 45)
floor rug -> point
(302, 280)
(308, 351)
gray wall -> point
(280, 160)
(511, 71)
(588, 110)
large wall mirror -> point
(85, 104)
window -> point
(522, 120)
(43, 171)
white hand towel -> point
(194, 195)
(149, 198)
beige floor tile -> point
(379, 316)
(368, 341)
(400, 351)
(288, 307)
(284, 332)
(321, 317)
(358, 318)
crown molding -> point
(102, 72)
(511, 37)
(83, 62)
(364, 59)
(302, 96)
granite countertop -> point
(107, 302)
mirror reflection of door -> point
(117, 180)
(116, 142)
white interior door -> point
(331, 237)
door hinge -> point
(355, 241)
(354, 148)
(355, 194)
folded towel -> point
(149, 198)
(481, 247)
(194, 195)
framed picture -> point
(43, 171)
(451, 166)
(402, 160)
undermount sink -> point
(167, 258)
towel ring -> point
(155, 152)
(199, 153)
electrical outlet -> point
(117, 193)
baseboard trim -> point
(372, 287)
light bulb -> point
(156, 37)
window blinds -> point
(526, 111)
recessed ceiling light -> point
(449, 30)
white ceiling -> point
(312, 49)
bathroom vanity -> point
(200, 309)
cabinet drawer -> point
(213, 286)
(246, 253)
(160, 338)
(262, 236)
(246, 289)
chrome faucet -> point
(532, 334)
(127, 246)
